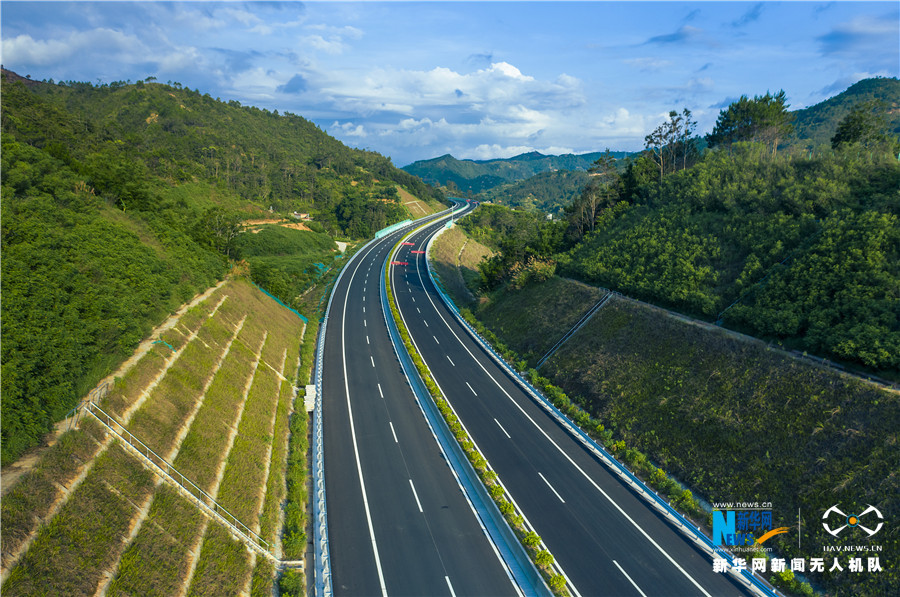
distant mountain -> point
(549, 192)
(814, 126)
(475, 176)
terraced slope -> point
(214, 399)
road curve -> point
(398, 523)
(606, 539)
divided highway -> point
(606, 539)
(398, 522)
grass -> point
(223, 563)
(222, 560)
(86, 535)
(260, 436)
(26, 504)
(128, 388)
(456, 263)
(203, 446)
(158, 421)
(198, 459)
(554, 308)
(72, 550)
(157, 560)
(728, 416)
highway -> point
(606, 539)
(398, 522)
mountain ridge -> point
(475, 176)
(813, 128)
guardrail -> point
(692, 532)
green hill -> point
(548, 192)
(814, 126)
(801, 251)
(121, 201)
(475, 176)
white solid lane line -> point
(416, 495)
(501, 427)
(362, 483)
(452, 592)
(551, 487)
(634, 584)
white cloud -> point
(495, 151)
(25, 50)
(349, 129)
(241, 16)
(329, 39)
(648, 64)
(507, 70)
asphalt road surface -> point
(398, 523)
(607, 540)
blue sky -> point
(415, 80)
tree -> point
(865, 124)
(763, 119)
(601, 192)
(217, 228)
(671, 139)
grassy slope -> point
(731, 418)
(87, 533)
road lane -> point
(386, 539)
(608, 541)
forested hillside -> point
(549, 192)
(789, 245)
(815, 126)
(475, 176)
(121, 201)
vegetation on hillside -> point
(802, 249)
(729, 417)
(470, 177)
(214, 399)
(549, 192)
(121, 201)
(814, 127)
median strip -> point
(540, 559)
